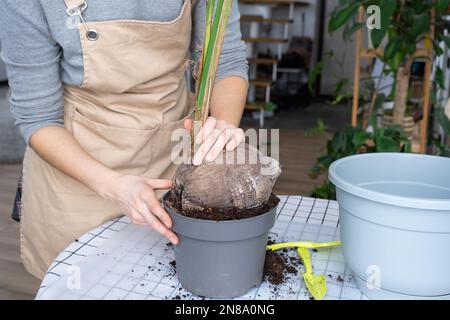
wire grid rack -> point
(119, 260)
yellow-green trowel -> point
(316, 284)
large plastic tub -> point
(395, 223)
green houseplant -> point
(403, 29)
(356, 140)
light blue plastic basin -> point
(395, 223)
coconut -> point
(242, 179)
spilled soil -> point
(278, 265)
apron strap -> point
(73, 4)
(76, 8)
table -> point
(119, 260)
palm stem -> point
(216, 23)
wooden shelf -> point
(261, 82)
(265, 20)
(281, 2)
(262, 61)
(265, 40)
(256, 37)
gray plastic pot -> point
(395, 223)
(221, 259)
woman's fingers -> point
(151, 210)
(220, 143)
(188, 124)
(204, 148)
(159, 183)
(213, 145)
(206, 130)
(158, 211)
(137, 199)
(156, 224)
(161, 228)
(138, 219)
(213, 137)
(236, 139)
(153, 206)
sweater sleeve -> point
(32, 60)
(233, 58)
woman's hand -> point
(213, 137)
(135, 195)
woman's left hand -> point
(213, 137)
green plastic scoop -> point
(316, 284)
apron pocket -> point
(173, 139)
(122, 149)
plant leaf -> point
(360, 138)
(440, 78)
(437, 48)
(446, 40)
(392, 48)
(339, 141)
(355, 27)
(387, 10)
(379, 102)
(314, 74)
(441, 5)
(443, 120)
(341, 17)
(387, 144)
(421, 24)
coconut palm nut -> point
(242, 179)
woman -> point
(97, 89)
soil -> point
(212, 214)
(278, 265)
(274, 267)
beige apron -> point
(133, 96)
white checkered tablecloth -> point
(120, 260)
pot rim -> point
(380, 197)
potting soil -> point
(214, 214)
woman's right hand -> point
(135, 195)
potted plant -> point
(408, 120)
(405, 25)
(404, 29)
(222, 211)
(222, 249)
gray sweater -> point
(42, 53)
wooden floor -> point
(297, 155)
